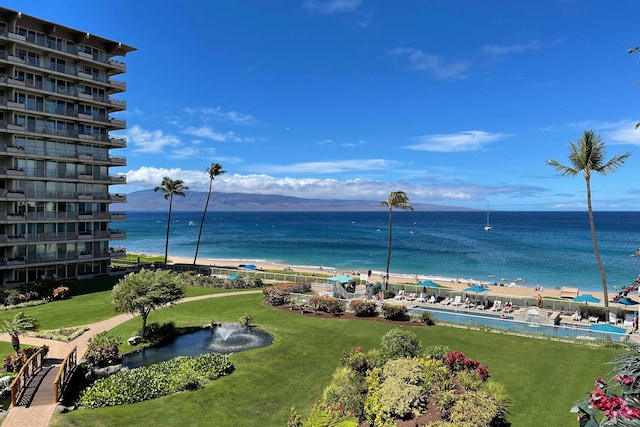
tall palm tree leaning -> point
(169, 189)
(214, 170)
(587, 156)
(400, 200)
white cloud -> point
(472, 140)
(501, 50)
(432, 64)
(325, 188)
(217, 113)
(329, 7)
(208, 133)
(145, 141)
(325, 167)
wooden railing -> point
(30, 368)
(64, 374)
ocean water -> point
(550, 249)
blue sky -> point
(455, 102)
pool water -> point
(508, 323)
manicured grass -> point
(543, 378)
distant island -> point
(149, 200)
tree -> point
(21, 322)
(170, 188)
(397, 199)
(214, 170)
(587, 156)
(145, 291)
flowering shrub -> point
(324, 303)
(356, 360)
(103, 349)
(14, 362)
(617, 400)
(363, 308)
(399, 343)
(275, 296)
(394, 311)
(61, 292)
(457, 361)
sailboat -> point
(487, 227)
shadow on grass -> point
(90, 286)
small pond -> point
(226, 339)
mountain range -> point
(149, 200)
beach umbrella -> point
(477, 289)
(626, 301)
(429, 284)
(607, 328)
(250, 267)
(587, 298)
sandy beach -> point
(513, 289)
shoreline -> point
(458, 284)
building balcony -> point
(117, 216)
(118, 252)
(119, 66)
(118, 197)
(85, 255)
(118, 123)
(117, 234)
(11, 194)
(83, 156)
(85, 235)
(118, 142)
(118, 85)
(117, 161)
(118, 179)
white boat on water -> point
(487, 227)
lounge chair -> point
(628, 320)
(457, 300)
(497, 306)
(594, 319)
(468, 303)
(411, 297)
(576, 316)
(508, 307)
(432, 299)
(400, 294)
(446, 301)
(613, 318)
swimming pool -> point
(460, 317)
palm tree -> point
(587, 156)
(214, 170)
(21, 322)
(397, 199)
(170, 188)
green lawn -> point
(544, 378)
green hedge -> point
(160, 379)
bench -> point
(566, 292)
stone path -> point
(37, 404)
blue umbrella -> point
(476, 289)
(587, 298)
(429, 284)
(626, 301)
(607, 328)
(250, 267)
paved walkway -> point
(37, 404)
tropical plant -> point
(587, 157)
(169, 189)
(146, 290)
(18, 325)
(214, 170)
(400, 200)
(617, 398)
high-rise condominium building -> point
(56, 115)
